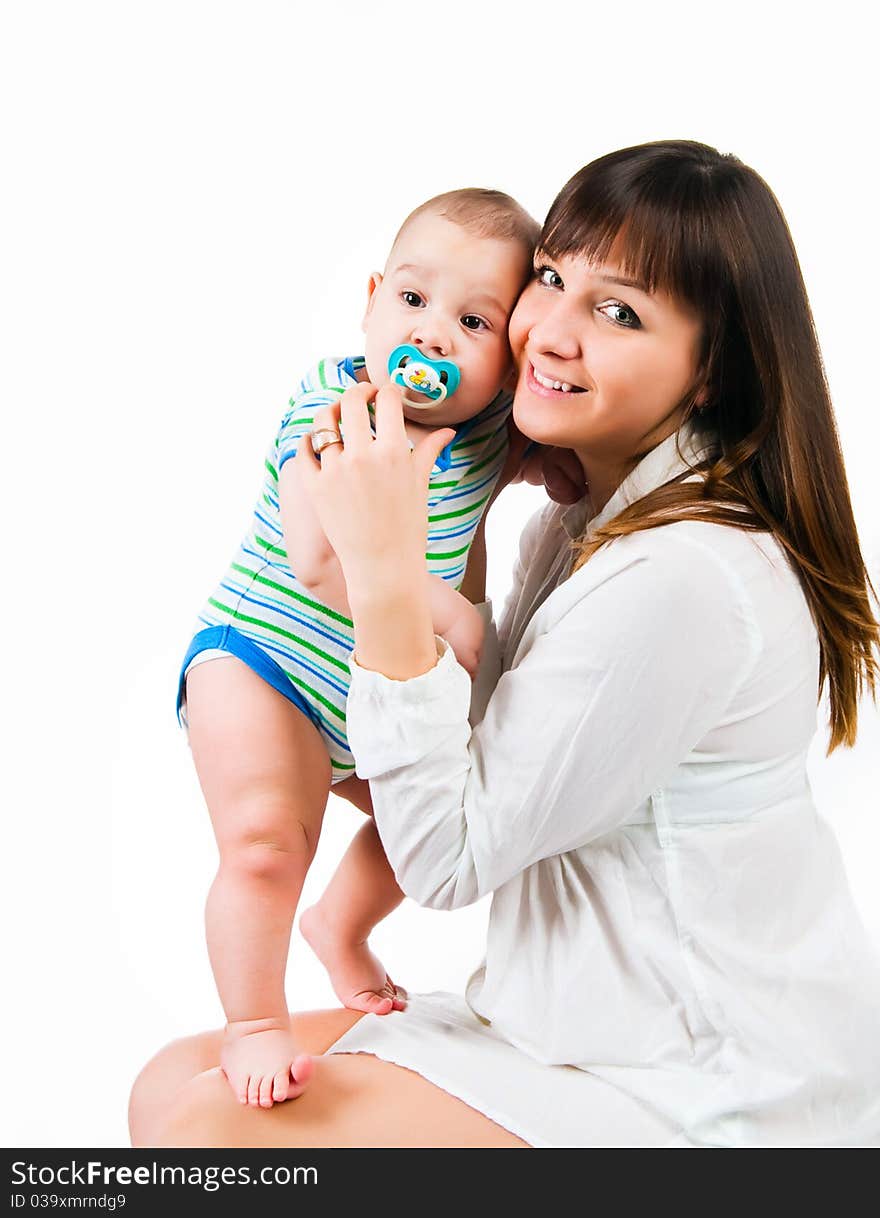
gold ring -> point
(335, 438)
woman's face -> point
(603, 364)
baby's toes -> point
(397, 994)
(254, 1091)
(371, 1002)
(266, 1085)
(302, 1070)
(239, 1084)
(280, 1086)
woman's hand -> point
(558, 470)
(370, 494)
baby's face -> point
(450, 294)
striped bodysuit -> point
(262, 614)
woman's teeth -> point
(550, 384)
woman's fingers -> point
(424, 455)
(356, 417)
(382, 480)
(389, 414)
(532, 467)
(308, 463)
(390, 430)
(563, 475)
(326, 419)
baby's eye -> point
(630, 319)
(470, 321)
(549, 277)
(412, 298)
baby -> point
(263, 684)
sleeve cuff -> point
(392, 723)
(430, 684)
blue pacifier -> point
(436, 379)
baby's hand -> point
(260, 1060)
(465, 636)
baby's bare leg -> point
(265, 775)
(361, 893)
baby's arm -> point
(457, 621)
(309, 554)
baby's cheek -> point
(501, 370)
(518, 325)
(517, 333)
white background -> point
(194, 196)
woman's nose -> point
(554, 333)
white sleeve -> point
(600, 710)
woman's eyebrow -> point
(625, 283)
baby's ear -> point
(374, 281)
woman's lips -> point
(544, 391)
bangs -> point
(656, 217)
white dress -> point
(673, 957)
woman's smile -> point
(547, 386)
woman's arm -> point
(452, 615)
(636, 661)
(607, 701)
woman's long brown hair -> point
(706, 228)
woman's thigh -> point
(354, 1100)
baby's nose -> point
(433, 341)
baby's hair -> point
(485, 213)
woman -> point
(669, 916)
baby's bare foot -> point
(359, 981)
(261, 1062)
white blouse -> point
(669, 911)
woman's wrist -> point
(393, 626)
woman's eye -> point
(625, 316)
(549, 277)
(470, 321)
(412, 298)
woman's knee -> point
(193, 1116)
(163, 1076)
(162, 1102)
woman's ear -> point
(375, 280)
(702, 399)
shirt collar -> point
(657, 467)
